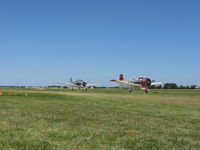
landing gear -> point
(130, 90)
(84, 89)
(146, 91)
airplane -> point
(78, 84)
(139, 82)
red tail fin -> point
(121, 77)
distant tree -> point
(170, 86)
(173, 86)
(158, 87)
(182, 87)
(166, 86)
(100, 87)
(193, 86)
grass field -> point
(100, 119)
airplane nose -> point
(84, 83)
(148, 82)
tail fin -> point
(71, 80)
(121, 77)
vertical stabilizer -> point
(121, 77)
(71, 80)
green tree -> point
(170, 86)
(193, 86)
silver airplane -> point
(80, 84)
(140, 82)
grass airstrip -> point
(105, 119)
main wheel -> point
(130, 90)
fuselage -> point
(80, 83)
(144, 82)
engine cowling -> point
(148, 82)
(84, 84)
(145, 82)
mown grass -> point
(100, 119)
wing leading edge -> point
(126, 83)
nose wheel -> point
(146, 91)
(84, 89)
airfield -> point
(110, 119)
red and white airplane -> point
(140, 82)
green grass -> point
(100, 119)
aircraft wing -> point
(92, 84)
(68, 84)
(126, 83)
(156, 83)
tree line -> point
(174, 86)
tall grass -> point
(100, 119)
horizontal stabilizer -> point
(157, 83)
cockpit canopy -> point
(138, 78)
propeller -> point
(84, 84)
(148, 82)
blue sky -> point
(45, 41)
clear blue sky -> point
(45, 41)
